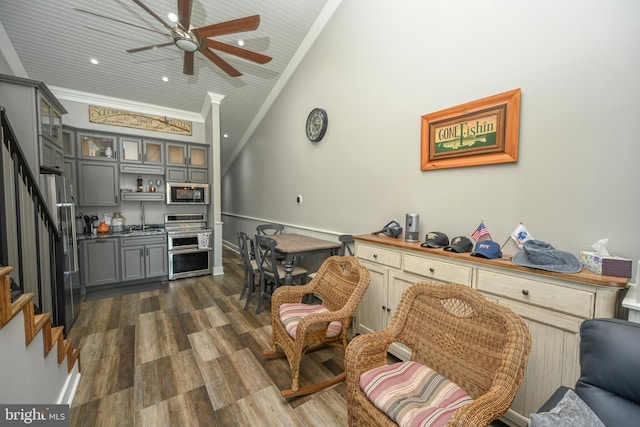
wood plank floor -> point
(189, 355)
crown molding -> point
(124, 104)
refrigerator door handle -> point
(74, 240)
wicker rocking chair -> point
(298, 328)
(476, 345)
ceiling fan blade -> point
(238, 51)
(187, 68)
(122, 22)
(247, 23)
(140, 49)
(224, 65)
(184, 13)
(152, 13)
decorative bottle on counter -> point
(140, 187)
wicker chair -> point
(341, 283)
(477, 344)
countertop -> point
(585, 275)
(133, 233)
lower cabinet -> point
(143, 257)
(100, 261)
(114, 259)
(553, 306)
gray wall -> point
(379, 65)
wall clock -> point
(317, 124)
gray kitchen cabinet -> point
(153, 152)
(97, 146)
(68, 141)
(36, 119)
(51, 155)
(186, 163)
(100, 261)
(130, 150)
(132, 262)
(69, 172)
(144, 257)
(98, 183)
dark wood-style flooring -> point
(189, 355)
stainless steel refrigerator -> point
(60, 198)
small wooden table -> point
(292, 245)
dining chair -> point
(345, 249)
(347, 241)
(468, 351)
(269, 229)
(251, 269)
(272, 272)
(298, 328)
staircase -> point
(31, 372)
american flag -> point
(480, 231)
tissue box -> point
(606, 265)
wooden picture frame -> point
(480, 132)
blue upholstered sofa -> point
(609, 380)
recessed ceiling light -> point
(240, 42)
(173, 17)
(165, 79)
(225, 135)
(94, 61)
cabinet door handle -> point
(525, 292)
(384, 307)
(432, 270)
(389, 309)
(375, 256)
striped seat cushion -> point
(292, 313)
(412, 394)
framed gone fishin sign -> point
(480, 132)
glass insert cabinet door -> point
(45, 117)
(153, 152)
(176, 155)
(131, 150)
(98, 147)
(197, 156)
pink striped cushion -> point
(412, 394)
(292, 313)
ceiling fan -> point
(191, 40)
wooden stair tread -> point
(34, 323)
(19, 304)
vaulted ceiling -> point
(55, 43)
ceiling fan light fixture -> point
(185, 40)
(186, 44)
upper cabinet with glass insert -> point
(134, 150)
(97, 146)
(50, 121)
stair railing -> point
(29, 238)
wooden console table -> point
(552, 304)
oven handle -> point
(188, 251)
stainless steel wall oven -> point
(189, 247)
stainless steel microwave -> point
(187, 193)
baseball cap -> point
(435, 239)
(460, 244)
(487, 249)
